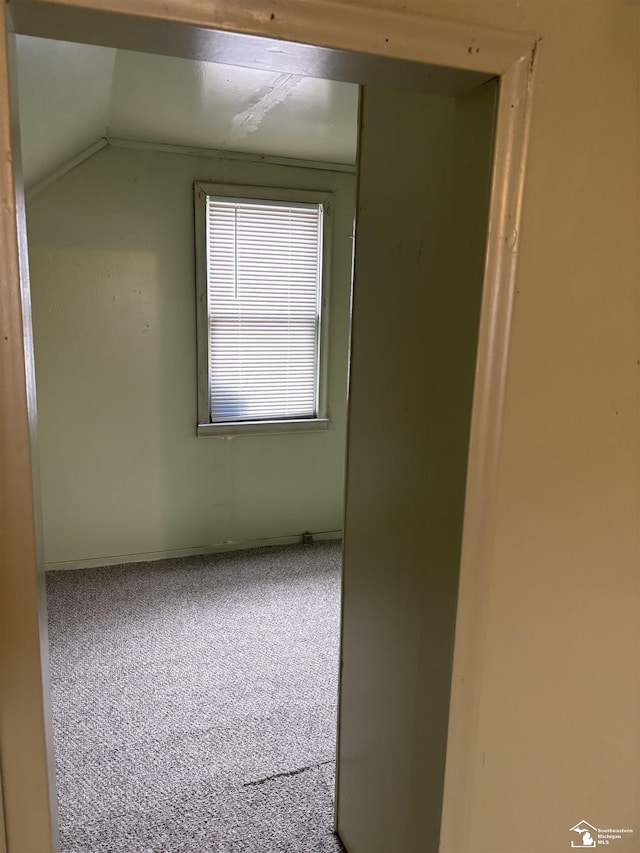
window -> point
(261, 257)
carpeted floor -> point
(194, 703)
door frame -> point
(314, 38)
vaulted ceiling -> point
(72, 95)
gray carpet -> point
(194, 702)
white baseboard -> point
(148, 556)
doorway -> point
(186, 585)
(503, 213)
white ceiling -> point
(64, 96)
(72, 95)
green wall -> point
(112, 275)
(424, 177)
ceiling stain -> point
(250, 119)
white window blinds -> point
(264, 261)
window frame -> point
(220, 429)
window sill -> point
(232, 429)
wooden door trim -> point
(310, 37)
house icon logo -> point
(587, 835)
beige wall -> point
(564, 597)
(111, 254)
(557, 736)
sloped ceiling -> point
(71, 95)
(64, 96)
